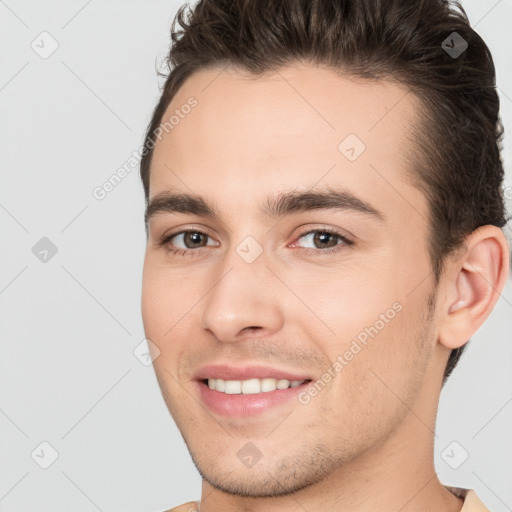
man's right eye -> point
(187, 241)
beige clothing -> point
(472, 502)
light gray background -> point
(68, 328)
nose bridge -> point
(242, 294)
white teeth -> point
(283, 384)
(220, 385)
(251, 386)
(232, 387)
(268, 385)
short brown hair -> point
(458, 163)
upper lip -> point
(225, 372)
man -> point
(324, 212)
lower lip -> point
(243, 406)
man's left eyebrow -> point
(328, 199)
(275, 206)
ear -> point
(473, 283)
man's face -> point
(277, 291)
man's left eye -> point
(326, 239)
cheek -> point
(170, 314)
(386, 373)
(162, 309)
(163, 298)
(344, 306)
(375, 351)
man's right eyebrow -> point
(168, 202)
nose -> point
(244, 301)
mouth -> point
(251, 386)
(250, 397)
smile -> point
(248, 398)
(251, 386)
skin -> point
(365, 441)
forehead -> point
(295, 127)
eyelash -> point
(196, 252)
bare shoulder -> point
(191, 506)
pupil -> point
(322, 235)
(195, 237)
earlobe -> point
(474, 283)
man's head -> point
(292, 120)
